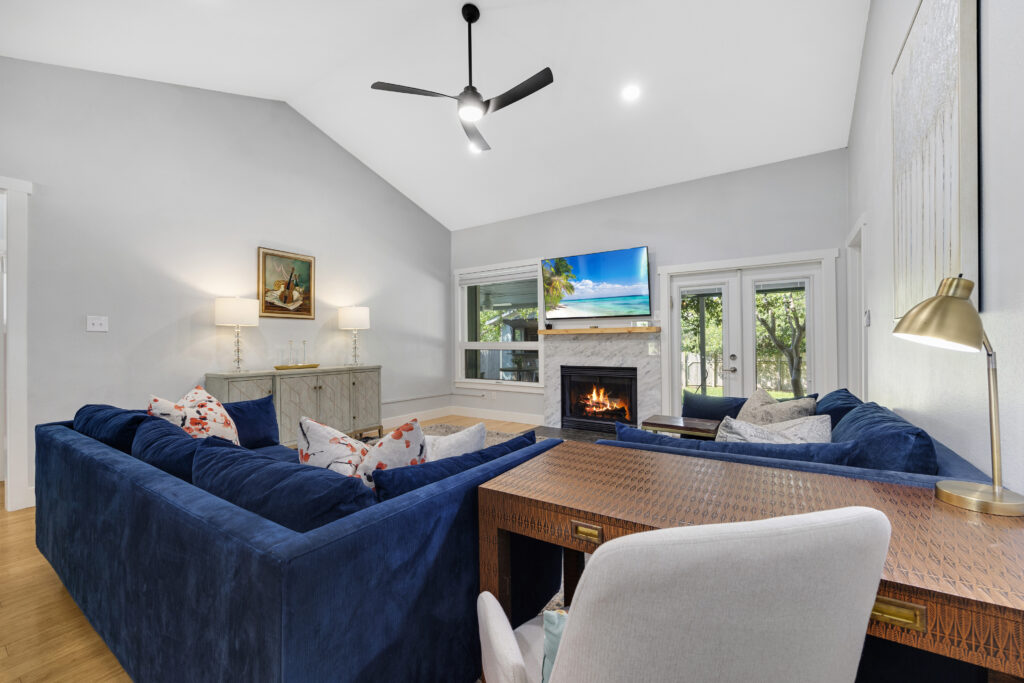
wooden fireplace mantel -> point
(604, 330)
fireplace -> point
(596, 398)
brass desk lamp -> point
(948, 320)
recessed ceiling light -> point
(631, 93)
(474, 149)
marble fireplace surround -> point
(611, 350)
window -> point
(498, 322)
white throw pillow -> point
(323, 446)
(198, 413)
(762, 409)
(459, 443)
(810, 429)
(402, 447)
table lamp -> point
(948, 320)
(239, 313)
(354, 318)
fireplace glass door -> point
(597, 398)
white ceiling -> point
(726, 84)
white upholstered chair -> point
(782, 600)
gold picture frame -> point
(286, 284)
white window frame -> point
(481, 275)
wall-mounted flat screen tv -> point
(608, 284)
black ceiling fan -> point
(471, 106)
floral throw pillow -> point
(403, 447)
(323, 446)
(198, 413)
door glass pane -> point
(502, 312)
(511, 365)
(781, 343)
(700, 315)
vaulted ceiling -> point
(724, 84)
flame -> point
(598, 401)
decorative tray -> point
(300, 366)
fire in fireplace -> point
(596, 398)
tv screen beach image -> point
(606, 284)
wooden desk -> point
(684, 426)
(956, 576)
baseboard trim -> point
(428, 414)
(491, 414)
(19, 497)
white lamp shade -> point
(354, 318)
(235, 311)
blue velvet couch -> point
(185, 586)
(805, 457)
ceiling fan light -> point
(471, 111)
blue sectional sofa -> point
(185, 586)
(869, 442)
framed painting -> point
(935, 152)
(287, 284)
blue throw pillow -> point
(393, 483)
(113, 426)
(256, 421)
(166, 446)
(711, 407)
(300, 497)
(828, 453)
(836, 404)
(886, 441)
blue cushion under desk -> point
(886, 476)
(184, 586)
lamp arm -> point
(993, 417)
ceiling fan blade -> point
(528, 87)
(391, 87)
(473, 133)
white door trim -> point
(19, 491)
(825, 258)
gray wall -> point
(945, 391)
(151, 199)
(790, 206)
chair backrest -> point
(781, 600)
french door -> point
(737, 329)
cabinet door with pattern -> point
(366, 398)
(335, 397)
(249, 389)
(297, 397)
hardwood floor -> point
(43, 634)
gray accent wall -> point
(151, 199)
(945, 391)
(795, 205)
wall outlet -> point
(96, 323)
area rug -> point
(444, 429)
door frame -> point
(825, 258)
(19, 490)
(856, 315)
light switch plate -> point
(96, 323)
(653, 348)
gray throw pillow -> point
(810, 429)
(762, 409)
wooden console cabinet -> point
(344, 397)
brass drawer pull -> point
(591, 533)
(900, 613)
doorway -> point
(734, 329)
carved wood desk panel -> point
(961, 572)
